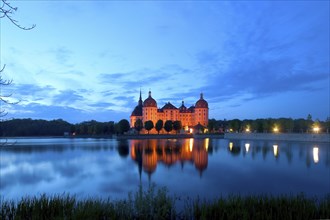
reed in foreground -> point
(157, 204)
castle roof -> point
(138, 109)
(182, 107)
(201, 103)
(169, 106)
(191, 108)
(150, 102)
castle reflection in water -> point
(148, 153)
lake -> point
(187, 167)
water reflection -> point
(149, 153)
(247, 147)
(123, 149)
(234, 149)
(231, 146)
(275, 149)
(104, 167)
(316, 154)
(306, 151)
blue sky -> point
(88, 59)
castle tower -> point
(201, 112)
(149, 110)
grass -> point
(157, 204)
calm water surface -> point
(187, 167)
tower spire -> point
(140, 94)
(140, 99)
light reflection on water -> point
(205, 167)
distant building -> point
(189, 117)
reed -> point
(156, 203)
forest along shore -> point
(307, 137)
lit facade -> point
(147, 110)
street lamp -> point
(316, 129)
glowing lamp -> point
(316, 129)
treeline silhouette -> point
(59, 127)
(268, 125)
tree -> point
(4, 98)
(159, 125)
(138, 125)
(148, 125)
(235, 124)
(212, 125)
(6, 11)
(309, 122)
(309, 117)
(168, 126)
(177, 125)
(123, 126)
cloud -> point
(67, 97)
(63, 56)
(28, 93)
(266, 53)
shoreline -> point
(306, 137)
(128, 136)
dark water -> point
(187, 167)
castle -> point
(197, 114)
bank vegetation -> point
(158, 204)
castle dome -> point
(138, 109)
(201, 103)
(150, 102)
